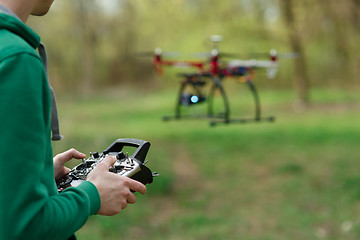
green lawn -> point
(295, 178)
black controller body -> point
(131, 166)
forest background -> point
(294, 178)
(92, 44)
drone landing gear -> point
(190, 93)
(192, 116)
(257, 118)
(242, 120)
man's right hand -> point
(115, 190)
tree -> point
(86, 15)
(301, 81)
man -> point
(30, 206)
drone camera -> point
(189, 99)
(194, 99)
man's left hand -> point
(61, 158)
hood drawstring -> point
(54, 115)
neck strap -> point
(54, 115)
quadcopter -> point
(209, 76)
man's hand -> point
(115, 190)
(62, 158)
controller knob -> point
(96, 155)
(120, 156)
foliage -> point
(92, 45)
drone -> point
(210, 75)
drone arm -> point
(158, 63)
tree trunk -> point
(301, 82)
(84, 10)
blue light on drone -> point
(194, 99)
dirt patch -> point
(185, 169)
(186, 176)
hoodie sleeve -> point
(30, 207)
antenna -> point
(216, 39)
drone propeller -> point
(269, 65)
(289, 55)
(144, 54)
(214, 53)
(251, 63)
(157, 52)
(216, 38)
(274, 55)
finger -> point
(137, 186)
(73, 153)
(131, 198)
(69, 154)
(108, 161)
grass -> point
(295, 178)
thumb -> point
(67, 170)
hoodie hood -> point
(16, 26)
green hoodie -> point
(30, 206)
